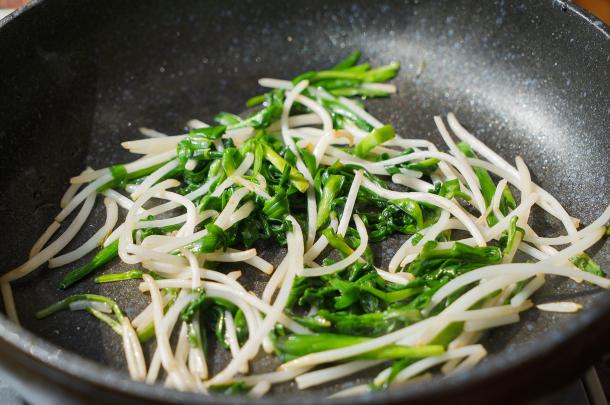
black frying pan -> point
(76, 78)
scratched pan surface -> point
(76, 78)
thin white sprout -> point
(159, 223)
(126, 238)
(327, 125)
(388, 88)
(235, 275)
(342, 264)
(291, 96)
(112, 214)
(84, 304)
(259, 390)
(256, 188)
(374, 122)
(528, 290)
(130, 339)
(547, 201)
(333, 373)
(314, 251)
(196, 359)
(231, 334)
(44, 255)
(120, 199)
(71, 191)
(497, 198)
(256, 261)
(562, 240)
(196, 124)
(151, 146)
(192, 217)
(275, 83)
(240, 171)
(297, 121)
(274, 281)
(151, 133)
(356, 390)
(9, 302)
(154, 177)
(350, 202)
(44, 238)
(239, 135)
(195, 269)
(167, 357)
(408, 247)
(482, 324)
(465, 168)
(412, 182)
(425, 364)
(560, 307)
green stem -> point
(101, 258)
(375, 138)
(331, 189)
(65, 304)
(110, 278)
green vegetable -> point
(214, 240)
(110, 278)
(273, 102)
(65, 304)
(101, 258)
(349, 61)
(488, 187)
(373, 324)
(116, 326)
(227, 119)
(236, 388)
(294, 346)
(191, 309)
(332, 186)
(279, 163)
(380, 74)
(358, 91)
(585, 263)
(209, 132)
(375, 138)
(508, 237)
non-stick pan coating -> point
(530, 78)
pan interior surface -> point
(528, 78)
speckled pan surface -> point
(76, 78)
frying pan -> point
(530, 78)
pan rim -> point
(32, 347)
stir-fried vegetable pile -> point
(311, 170)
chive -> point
(375, 138)
(101, 258)
(331, 189)
(106, 319)
(65, 304)
(110, 278)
